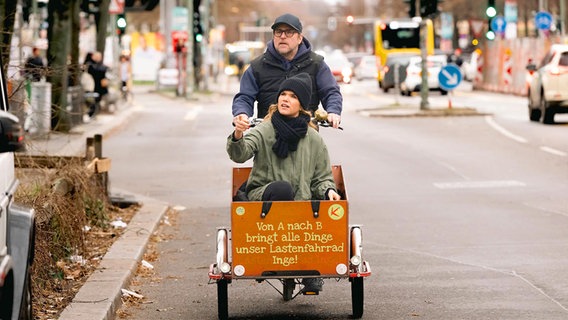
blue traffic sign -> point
(498, 24)
(449, 77)
(543, 20)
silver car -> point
(548, 89)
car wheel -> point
(26, 310)
(546, 110)
(534, 113)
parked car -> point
(16, 222)
(548, 88)
(386, 73)
(413, 79)
(366, 68)
(355, 57)
(469, 66)
(340, 67)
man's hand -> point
(333, 196)
(334, 119)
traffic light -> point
(411, 8)
(490, 11)
(120, 24)
(197, 28)
(428, 8)
(350, 20)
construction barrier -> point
(502, 65)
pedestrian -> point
(287, 54)
(125, 73)
(291, 161)
(98, 70)
(455, 57)
(240, 68)
(34, 68)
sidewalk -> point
(100, 296)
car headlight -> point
(229, 71)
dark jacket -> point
(98, 71)
(34, 68)
(261, 80)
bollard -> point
(94, 150)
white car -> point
(548, 88)
(16, 222)
(413, 80)
(340, 67)
(366, 68)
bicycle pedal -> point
(310, 293)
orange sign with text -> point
(290, 240)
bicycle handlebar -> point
(254, 121)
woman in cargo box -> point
(291, 161)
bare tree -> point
(58, 35)
(102, 19)
(7, 16)
(74, 68)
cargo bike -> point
(283, 243)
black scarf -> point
(289, 131)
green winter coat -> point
(308, 168)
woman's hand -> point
(241, 124)
(333, 196)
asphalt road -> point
(463, 217)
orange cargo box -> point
(294, 238)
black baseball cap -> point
(290, 20)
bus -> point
(241, 50)
(400, 36)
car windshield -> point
(337, 62)
(563, 59)
(400, 59)
(432, 63)
(369, 62)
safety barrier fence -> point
(502, 65)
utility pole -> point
(189, 78)
(562, 17)
(205, 13)
(424, 104)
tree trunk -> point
(7, 18)
(58, 35)
(75, 69)
(102, 19)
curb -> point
(115, 120)
(405, 111)
(100, 296)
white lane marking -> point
(192, 114)
(479, 184)
(503, 131)
(454, 170)
(554, 151)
